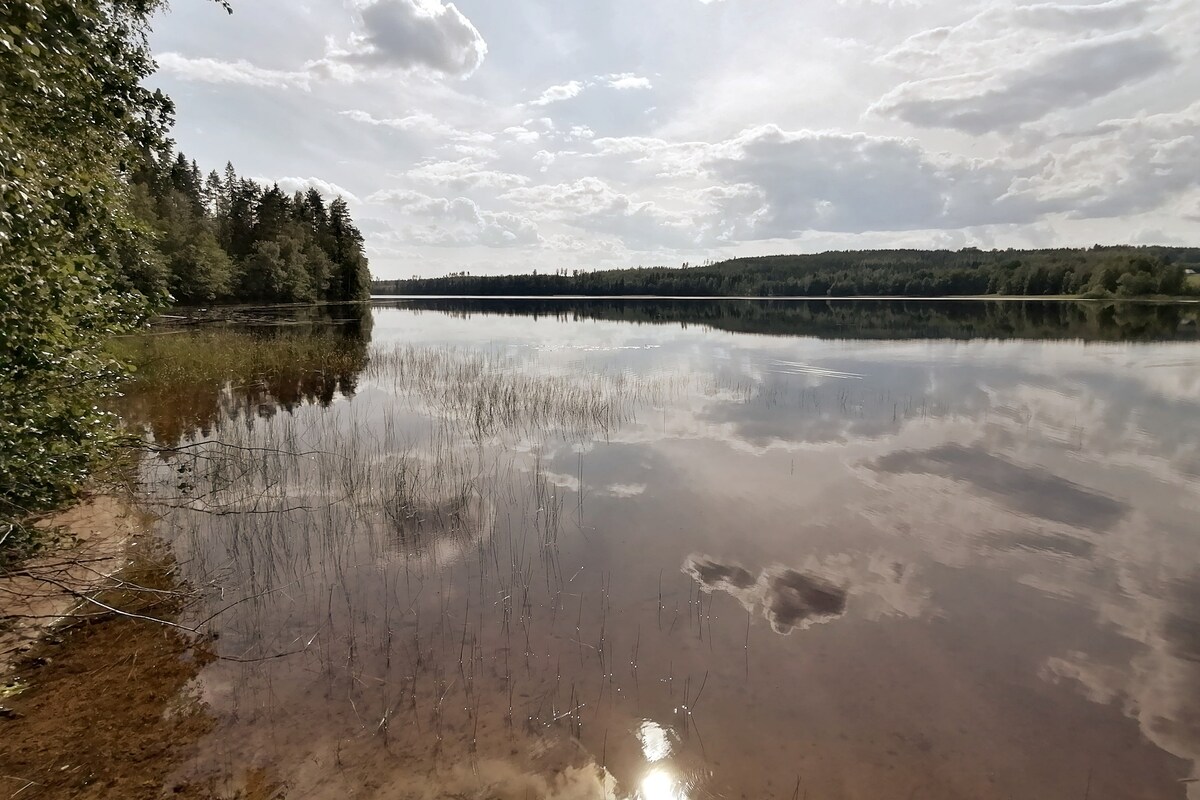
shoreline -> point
(1164, 300)
(100, 702)
(38, 596)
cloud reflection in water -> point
(788, 598)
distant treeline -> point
(225, 238)
(1094, 272)
(857, 319)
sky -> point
(502, 136)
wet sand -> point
(102, 705)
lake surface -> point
(617, 549)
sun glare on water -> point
(659, 784)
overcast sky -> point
(508, 135)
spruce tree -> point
(351, 276)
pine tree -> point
(227, 238)
(214, 196)
(351, 278)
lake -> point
(696, 549)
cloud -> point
(392, 35)
(1157, 686)
(1027, 490)
(243, 73)
(291, 185)
(521, 134)
(1035, 80)
(465, 173)
(798, 598)
(571, 89)
(460, 222)
(829, 181)
(1126, 166)
(771, 183)
(412, 34)
(585, 196)
(628, 80)
(887, 3)
(669, 159)
(625, 490)
(558, 93)
(592, 204)
(982, 102)
(1116, 14)
(788, 598)
(420, 122)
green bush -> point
(75, 266)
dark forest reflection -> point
(858, 319)
(241, 364)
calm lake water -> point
(665, 550)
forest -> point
(225, 238)
(1096, 272)
(102, 224)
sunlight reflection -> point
(656, 741)
(659, 784)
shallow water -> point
(673, 550)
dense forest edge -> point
(1097, 272)
(224, 238)
(102, 225)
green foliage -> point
(100, 223)
(74, 262)
(227, 239)
(1134, 284)
(1096, 272)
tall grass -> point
(394, 572)
(167, 362)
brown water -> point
(567, 556)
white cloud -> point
(558, 93)
(522, 134)
(625, 490)
(981, 102)
(572, 89)
(240, 72)
(1115, 14)
(996, 123)
(593, 205)
(465, 173)
(477, 151)
(667, 158)
(628, 80)
(391, 35)
(460, 222)
(410, 34)
(1007, 64)
(420, 122)
(831, 181)
(1126, 166)
(291, 185)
